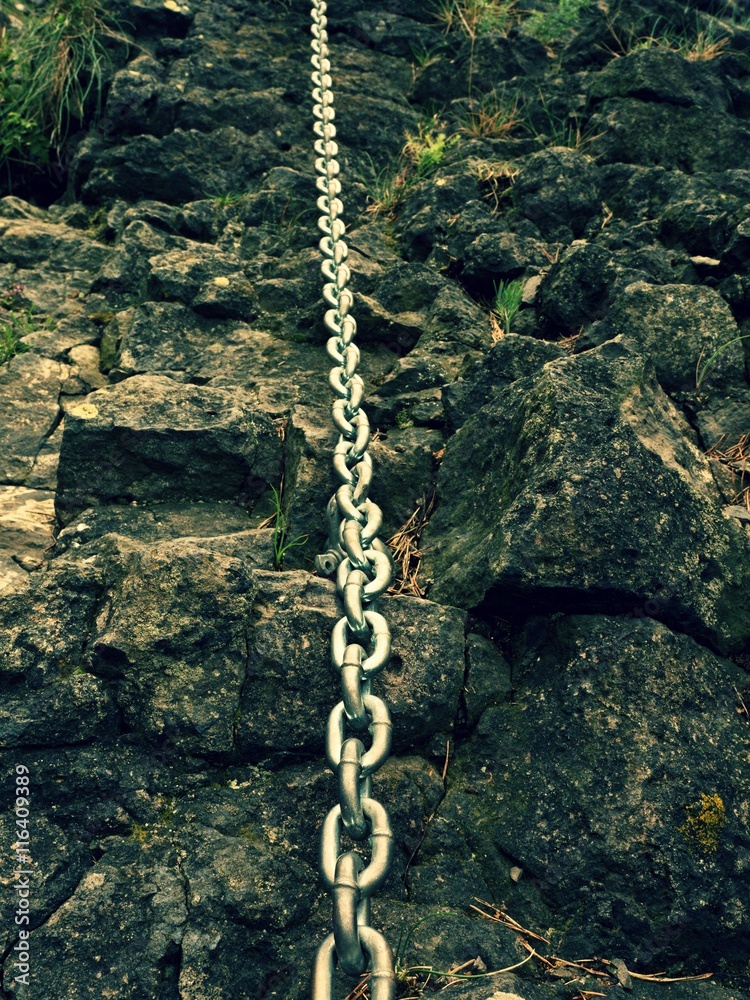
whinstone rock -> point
(547, 208)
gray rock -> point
(660, 76)
(26, 521)
(69, 333)
(513, 357)
(146, 524)
(76, 708)
(529, 487)
(558, 190)
(29, 411)
(162, 338)
(294, 615)
(655, 134)
(152, 439)
(57, 864)
(612, 805)
(183, 166)
(28, 243)
(178, 674)
(688, 331)
(491, 257)
(725, 420)
(137, 887)
(181, 274)
(582, 284)
(488, 677)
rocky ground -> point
(570, 694)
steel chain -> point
(361, 639)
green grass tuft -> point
(52, 68)
(15, 322)
(476, 17)
(281, 541)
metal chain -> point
(361, 640)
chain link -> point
(361, 640)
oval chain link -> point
(361, 640)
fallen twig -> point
(501, 917)
(659, 977)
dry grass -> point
(490, 117)
(498, 175)
(569, 343)
(601, 969)
(702, 44)
(404, 546)
(737, 460)
(362, 990)
(388, 190)
(497, 331)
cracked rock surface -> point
(570, 692)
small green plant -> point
(422, 58)
(426, 150)
(476, 17)
(52, 67)
(280, 540)
(420, 157)
(404, 420)
(228, 198)
(508, 299)
(387, 189)
(561, 130)
(68, 670)
(15, 322)
(547, 26)
(701, 370)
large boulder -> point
(688, 331)
(580, 487)
(616, 780)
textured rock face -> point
(533, 490)
(570, 694)
(127, 442)
(606, 713)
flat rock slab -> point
(29, 390)
(53, 262)
(291, 686)
(212, 655)
(29, 242)
(152, 439)
(184, 166)
(626, 130)
(64, 863)
(75, 708)
(157, 522)
(27, 518)
(579, 487)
